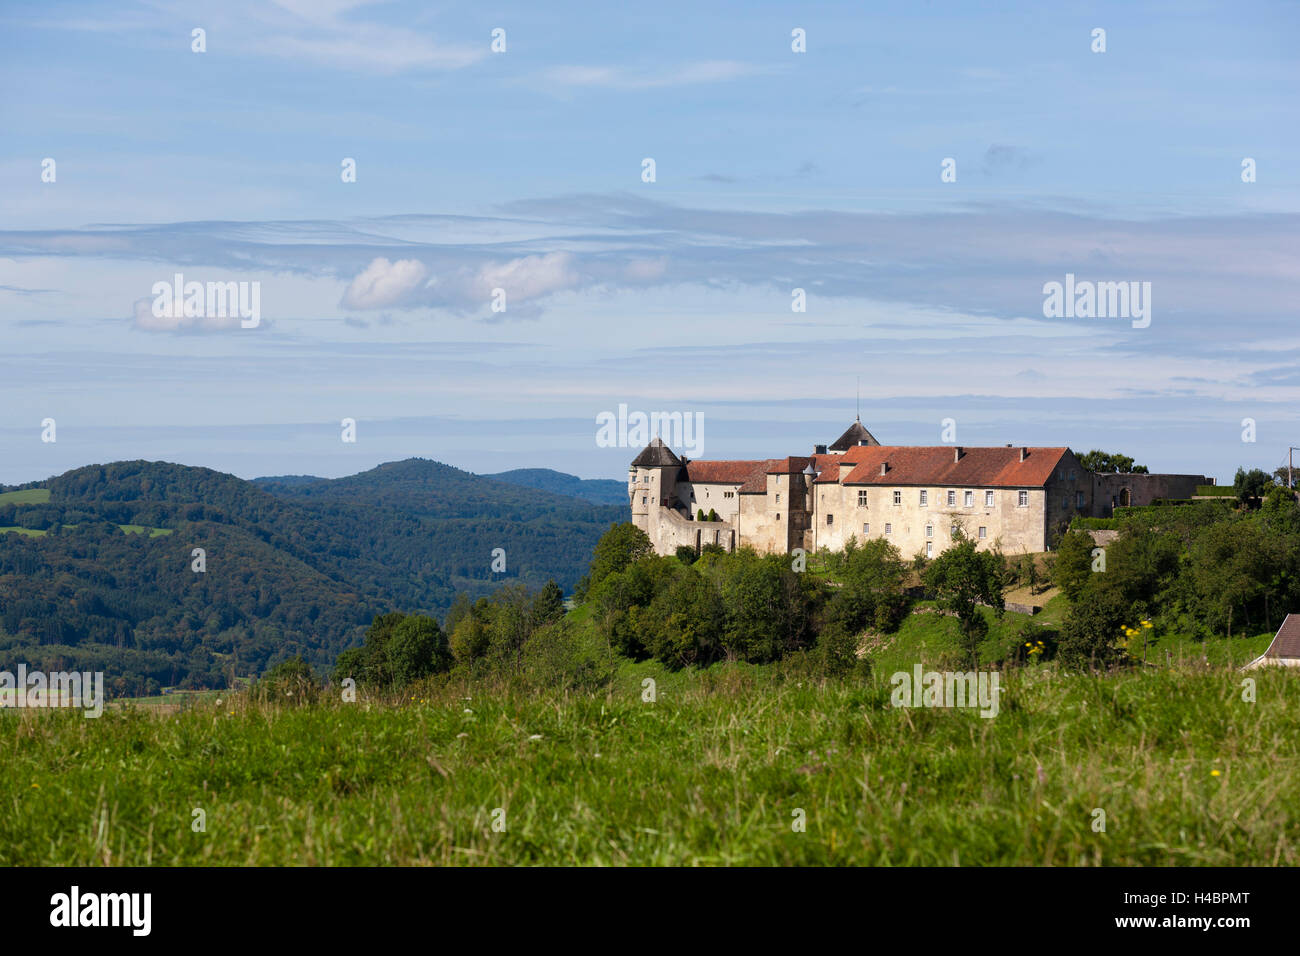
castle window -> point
(830, 519)
(1079, 501)
(889, 528)
(778, 516)
(862, 498)
(866, 529)
(984, 532)
(778, 500)
(968, 499)
(925, 497)
(952, 499)
(929, 549)
(898, 497)
(1022, 499)
(988, 499)
(1072, 474)
(643, 499)
(952, 532)
(929, 531)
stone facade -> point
(1019, 499)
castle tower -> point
(652, 483)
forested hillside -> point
(99, 575)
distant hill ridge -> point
(599, 490)
(293, 563)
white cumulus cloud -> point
(382, 284)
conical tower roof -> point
(856, 434)
(656, 455)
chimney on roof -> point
(1024, 453)
(819, 449)
(956, 453)
(884, 467)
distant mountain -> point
(294, 564)
(603, 491)
(288, 480)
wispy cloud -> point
(328, 33)
(982, 259)
(628, 78)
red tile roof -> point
(1286, 643)
(751, 476)
(996, 467)
(721, 472)
(787, 466)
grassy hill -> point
(1185, 772)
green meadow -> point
(126, 529)
(27, 496)
(721, 767)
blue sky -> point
(522, 170)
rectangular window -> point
(1022, 499)
(830, 519)
(889, 528)
(952, 499)
(898, 497)
(643, 499)
(988, 499)
(952, 532)
(866, 529)
(862, 498)
(1078, 499)
(778, 499)
(925, 498)
(968, 499)
(984, 532)
(1072, 474)
(929, 549)
(929, 531)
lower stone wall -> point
(669, 531)
(1110, 491)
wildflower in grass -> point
(1214, 773)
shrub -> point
(417, 649)
(469, 641)
(1092, 630)
(836, 654)
(291, 681)
(559, 655)
(616, 550)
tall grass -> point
(711, 772)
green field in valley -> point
(27, 496)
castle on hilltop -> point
(916, 497)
